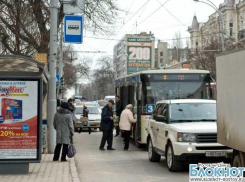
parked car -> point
(107, 98)
(94, 104)
(94, 117)
(78, 102)
(102, 103)
(185, 131)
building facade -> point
(161, 54)
(233, 16)
(134, 53)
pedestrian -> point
(58, 102)
(107, 126)
(125, 124)
(85, 115)
(71, 107)
(119, 109)
(64, 131)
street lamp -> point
(220, 18)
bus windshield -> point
(164, 90)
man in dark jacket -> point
(71, 106)
(119, 109)
(107, 126)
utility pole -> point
(52, 69)
(61, 60)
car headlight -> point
(186, 137)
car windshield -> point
(77, 101)
(102, 103)
(79, 110)
(93, 110)
(192, 112)
(93, 104)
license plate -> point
(216, 154)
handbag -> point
(71, 150)
(84, 119)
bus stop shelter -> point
(23, 87)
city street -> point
(118, 166)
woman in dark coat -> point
(63, 125)
(85, 114)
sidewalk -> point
(47, 171)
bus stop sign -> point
(150, 108)
(73, 29)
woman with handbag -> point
(63, 125)
(85, 118)
(126, 121)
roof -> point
(195, 23)
(166, 71)
(182, 101)
(20, 65)
(227, 3)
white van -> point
(107, 98)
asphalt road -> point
(94, 165)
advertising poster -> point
(18, 119)
(139, 54)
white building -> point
(233, 14)
(133, 53)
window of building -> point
(242, 25)
(231, 29)
(161, 53)
(161, 60)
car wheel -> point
(153, 156)
(173, 165)
(237, 162)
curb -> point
(73, 170)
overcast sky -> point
(162, 22)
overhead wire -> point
(111, 39)
(128, 20)
(128, 11)
(162, 5)
(170, 12)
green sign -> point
(139, 58)
(139, 40)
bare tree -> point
(75, 68)
(177, 45)
(205, 59)
(24, 24)
(102, 80)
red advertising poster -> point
(18, 119)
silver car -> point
(94, 117)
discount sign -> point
(139, 54)
(18, 120)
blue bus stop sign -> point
(73, 29)
(57, 79)
(150, 108)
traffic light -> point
(62, 81)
